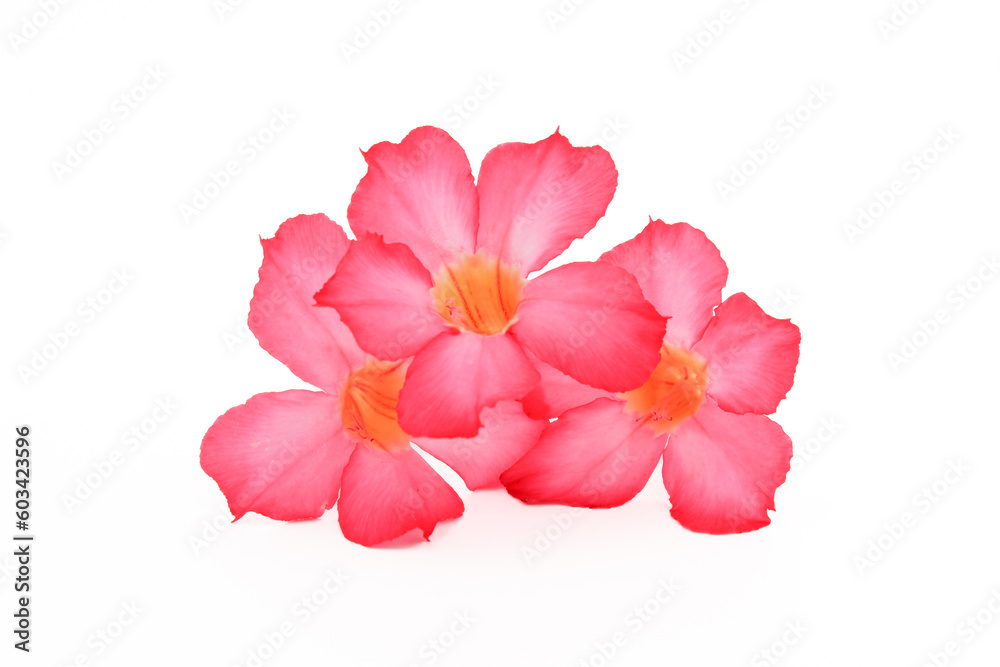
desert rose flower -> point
(289, 455)
(722, 368)
(439, 273)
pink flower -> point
(722, 368)
(289, 455)
(439, 274)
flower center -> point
(477, 294)
(368, 408)
(673, 392)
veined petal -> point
(386, 494)
(419, 192)
(590, 321)
(557, 392)
(596, 455)
(382, 292)
(279, 454)
(507, 433)
(455, 376)
(722, 470)
(680, 272)
(311, 341)
(751, 356)
(536, 198)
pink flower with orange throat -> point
(440, 272)
(290, 455)
(724, 366)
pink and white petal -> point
(681, 273)
(751, 356)
(506, 435)
(279, 454)
(534, 199)
(557, 392)
(311, 341)
(721, 470)
(419, 192)
(382, 292)
(596, 455)
(590, 321)
(455, 376)
(387, 494)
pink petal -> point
(419, 192)
(721, 470)
(590, 321)
(311, 341)
(536, 198)
(681, 273)
(387, 494)
(557, 392)
(455, 376)
(279, 454)
(382, 292)
(505, 436)
(751, 356)
(596, 455)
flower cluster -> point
(434, 327)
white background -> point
(675, 132)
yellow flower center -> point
(673, 393)
(368, 405)
(477, 294)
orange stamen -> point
(673, 393)
(368, 404)
(478, 294)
